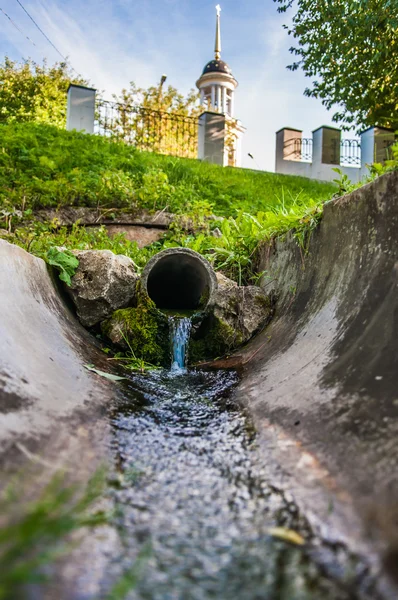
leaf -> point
(287, 535)
(64, 261)
(103, 374)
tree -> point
(32, 92)
(352, 47)
(168, 100)
(157, 119)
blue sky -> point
(112, 43)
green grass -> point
(234, 252)
(35, 534)
(43, 166)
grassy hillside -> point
(43, 166)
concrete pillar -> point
(211, 138)
(374, 144)
(232, 104)
(213, 97)
(224, 100)
(326, 146)
(80, 111)
(288, 146)
(219, 107)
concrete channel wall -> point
(52, 409)
(44, 386)
(322, 380)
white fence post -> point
(211, 138)
(288, 146)
(80, 112)
(374, 144)
(325, 152)
(326, 145)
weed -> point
(64, 261)
(33, 535)
(344, 183)
(260, 277)
(38, 238)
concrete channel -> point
(319, 383)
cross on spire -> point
(217, 47)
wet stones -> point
(104, 282)
(242, 308)
(142, 331)
(238, 312)
(107, 291)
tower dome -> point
(217, 66)
(216, 83)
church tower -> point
(220, 140)
(217, 84)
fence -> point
(298, 149)
(350, 152)
(147, 129)
(301, 149)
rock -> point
(143, 236)
(225, 282)
(242, 308)
(103, 283)
(114, 329)
(142, 331)
(238, 312)
(68, 215)
(255, 310)
(216, 232)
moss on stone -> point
(204, 297)
(263, 300)
(145, 328)
(213, 339)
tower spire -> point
(217, 47)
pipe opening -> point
(179, 281)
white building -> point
(219, 132)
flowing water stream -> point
(194, 506)
(180, 330)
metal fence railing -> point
(147, 129)
(350, 153)
(306, 149)
(301, 149)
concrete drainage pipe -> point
(179, 278)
